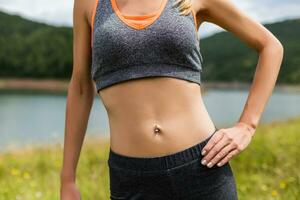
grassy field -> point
(267, 169)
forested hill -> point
(227, 58)
(31, 49)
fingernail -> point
(203, 162)
(209, 164)
(219, 164)
(203, 152)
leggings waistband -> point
(157, 163)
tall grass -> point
(267, 170)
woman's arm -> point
(79, 100)
(270, 50)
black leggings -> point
(178, 176)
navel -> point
(157, 129)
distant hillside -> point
(31, 49)
(226, 58)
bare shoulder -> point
(84, 9)
(208, 8)
(211, 8)
(199, 6)
(227, 15)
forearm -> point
(79, 103)
(266, 73)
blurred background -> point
(36, 66)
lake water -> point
(40, 118)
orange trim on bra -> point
(196, 24)
(140, 17)
(93, 20)
(153, 16)
(138, 21)
(195, 20)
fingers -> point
(228, 157)
(217, 152)
(223, 145)
(222, 154)
(212, 142)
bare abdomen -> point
(155, 116)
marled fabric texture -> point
(167, 47)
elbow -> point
(272, 47)
(278, 48)
(278, 51)
(81, 87)
(275, 47)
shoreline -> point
(89, 140)
(61, 85)
(105, 139)
(37, 85)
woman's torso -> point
(154, 116)
(135, 108)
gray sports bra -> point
(167, 45)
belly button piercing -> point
(156, 129)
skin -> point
(175, 106)
(229, 142)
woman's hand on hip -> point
(226, 143)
